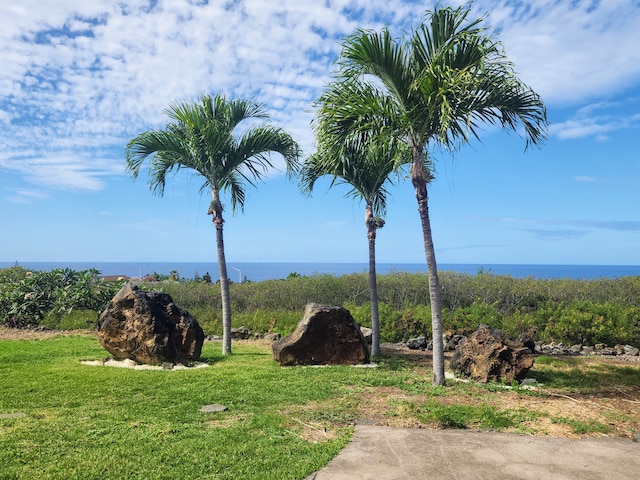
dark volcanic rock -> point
(418, 343)
(149, 328)
(324, 336)
(489, 355)
(240, 333)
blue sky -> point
(79, 79)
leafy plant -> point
(30, 297)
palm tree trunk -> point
(422, 197)
(218, 221)
(373, 283)
(224, 292)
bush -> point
(564, 310)
(28, 298)
(589, 323)
(465, 320)
(76, 319)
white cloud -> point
(26, 196)
(59, 172)
(598, 120)
(616, 225)
(81, 78)
(570, 50)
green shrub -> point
(465, 320)
(589, 323)
(27, 298)
(399, 326)
(74, 320)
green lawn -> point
(86, 422)
(101, 422)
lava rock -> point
(149, 328)
(325, 336)
(490, 355)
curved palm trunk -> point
(422, 197)
(373, 283)
(218, 221)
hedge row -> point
(568, 311)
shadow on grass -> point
(392, 362)
(584, 376)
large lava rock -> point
(149, 328)
(490, 355)
(324, 336)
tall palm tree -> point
(438, 86)
(216, 138)
(363, 162)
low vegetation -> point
(63, 419)
(566, 310)
(31, 298)
(561, 310)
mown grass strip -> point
(283, 423)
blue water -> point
(265, 271)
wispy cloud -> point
(598, 120)
(80, 78)
(585, 178)
(76, 172)
(26, 196)
(569, 51)
(580, 227)
(556, 235)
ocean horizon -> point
(259, 271)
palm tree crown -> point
(203, 137)
(446, 80)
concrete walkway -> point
(384, 453)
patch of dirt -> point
(555, 411)
(544, 411)
(39, 333)
(228, 421)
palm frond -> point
(378, 54)
(204, 137)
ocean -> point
(267, 271)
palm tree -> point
(364, 163)
(211, 137)
(438, 86)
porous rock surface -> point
(149, 328)
(325, 336)
(490, 355)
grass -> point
(281, 423)
(91, 422)
(466, 416)
(581, 375)
(581, 427)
